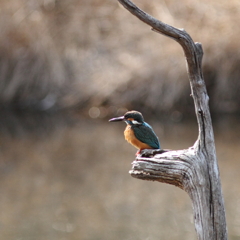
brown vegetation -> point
(58, 54)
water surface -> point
(67, 178)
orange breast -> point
(130, 137)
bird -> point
(138, 133)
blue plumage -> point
(139, 133)
(145, 134)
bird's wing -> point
(145, 134)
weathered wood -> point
(194, 170)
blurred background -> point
(66, 67)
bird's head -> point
(130, 117)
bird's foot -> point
(138, 153)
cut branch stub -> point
(172, 167)
(167, 168)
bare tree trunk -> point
(194, 170)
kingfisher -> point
(138, 133)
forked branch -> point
(194, 170)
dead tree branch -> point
(194, 170)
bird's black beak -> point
(117, 119)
